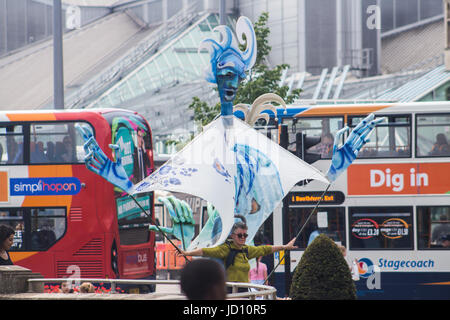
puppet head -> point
(228, 64)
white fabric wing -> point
(235, 168)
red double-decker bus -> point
(69, 221)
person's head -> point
(239, 231)
(441, 139)
(67, 141)
(327, 139)
(40, 146)
(6, 237)
(65, 287)
(446, 241)
(203, 279)
(87, 287)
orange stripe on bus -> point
(339, 110)
(3, 186)
(18, 256)
(38, 116)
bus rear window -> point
(133, 223)
(375, 228)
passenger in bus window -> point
(15, 151)
(68, 156)
(327, 142)
(1, 152)
(325, 147)
(445, 241)
(60, 150)
(440, 228)
(50, 151)
(37, 152)
(441, 147)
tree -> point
(261, 79)
(322, 273)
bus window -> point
(159, 216)
(323, 128)
(380, 228)
(46, 227)
(56, 143)
(433, 134)
(14, 218)
(333, 226)
(391, 139)
(36, 229)
(11, 144)
(433, 227)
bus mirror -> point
(303, 143)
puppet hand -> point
(97, 161)
(345, 155)
(182, 220)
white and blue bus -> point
(390, 209)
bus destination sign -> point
(312, 197)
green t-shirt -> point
(237, 272)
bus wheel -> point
(114, 259)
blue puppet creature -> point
(255, 177)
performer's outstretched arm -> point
(344, 156)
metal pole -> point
(284, 142)
(222, 12)
(58, 76)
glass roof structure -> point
(177, 61)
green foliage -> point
(203, 113)
(261, 79)
(322, 273)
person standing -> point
(236, 254)
(258, 274)
(6, 242)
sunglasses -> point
(241, 235)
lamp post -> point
(58, 76)
(222, 12)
